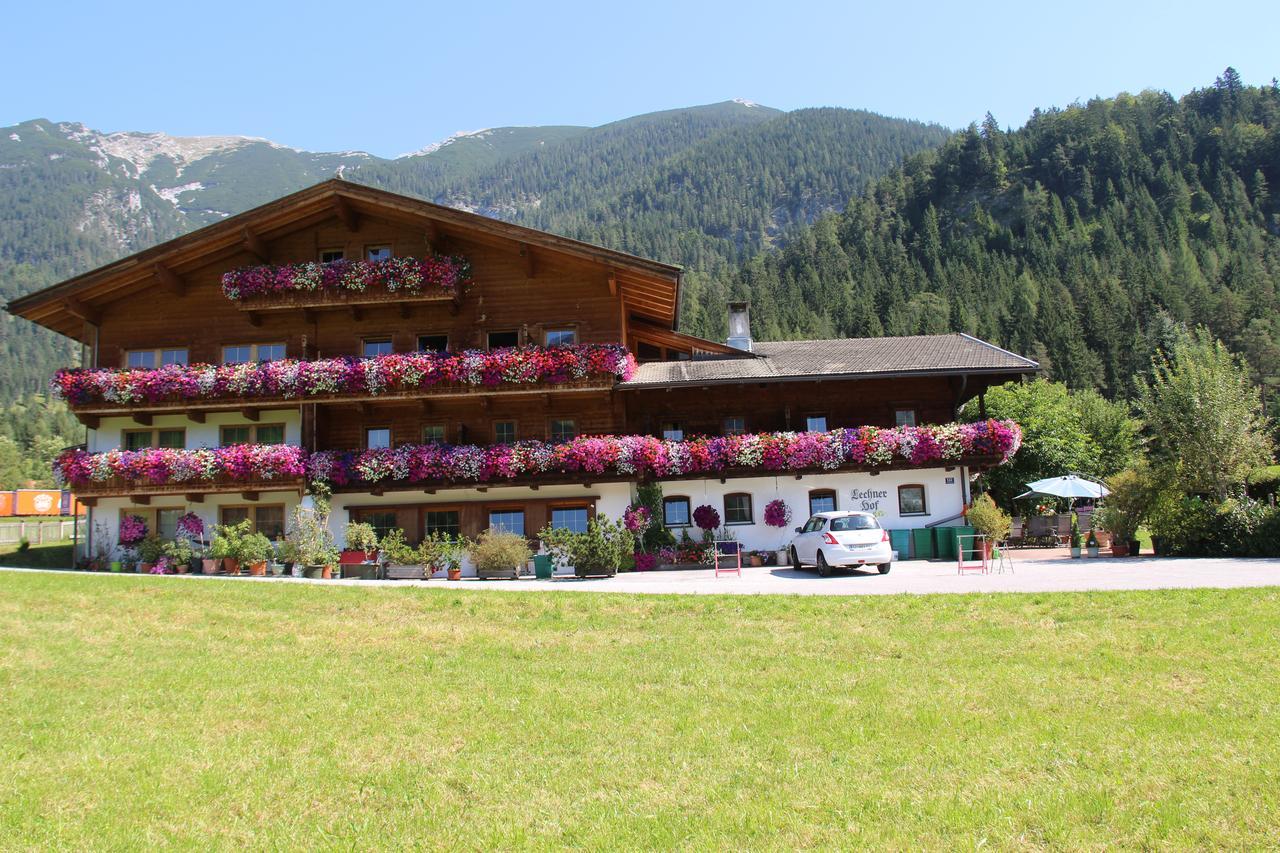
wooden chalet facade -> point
(154, 317)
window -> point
(251, 434)
(504, 432)
(675, 512)
(646, 351)
(815, 423)
(377, 253)
(267, 520)
(821, 500)
(443, 521)
(433, 343)
(376, 346)
(269, 352)
(433, 434)
(911, 500)
(139, 439)
(149, 358)
(235, 435)
(570, 518)
(498, 340)
(904, 417)
(562, 429)
(673, 431)
(854, 522)
(269, 434)
(737, 508)
(561, 337)
(735, 425)
(167, 523)
(243, 353)
(328, 256)
(815, 524)
(377, 437)
(510, 520)
(383, 520)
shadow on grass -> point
(53, 556)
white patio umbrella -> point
(1067, 486)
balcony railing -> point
(586, 459)
(398, 375)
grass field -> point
(51, 555)
(139, 712)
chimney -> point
(739, 326)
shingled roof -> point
(851, 358)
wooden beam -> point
(80, 311)
(140, 500)
(196, 417)
(406, 310)
(142, 419)
(91, 421)
(455, 304)
(251, 414)
(613, 283)
(366, 410)
(482, 489)
(251, 497)
(425, 406)
(431, 233)
(377, 492)
(346, 213)
(530, 266)
(255, 318)
(357, 313)
(534, 487)
(308, 315)
(194, 497)
(89, 502)
(255, 245)
(170, 279)
(428, 491)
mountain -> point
(1079, 239)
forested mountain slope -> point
(1076, 239)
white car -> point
(831, 539)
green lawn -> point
(51, 555)
(140, 712)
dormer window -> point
(377, 253)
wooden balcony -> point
(142, 493)
(353, 301)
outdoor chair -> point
(1063, 531)
(728, 557)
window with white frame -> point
(561, 337)
(815, 423)
(376, 346)
(376, 438)
(377, 253)
(737, 508)
(904, 417)
(150, 358)
(508, 520)
(675, 511)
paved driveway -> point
(1047, 574)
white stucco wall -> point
(854, 491)
(109, 434)
(106, 515)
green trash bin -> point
(541, 566)
(922, 544)
(901, 542)
(969, 544)
(945, 538)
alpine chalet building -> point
(444, 371)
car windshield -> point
(854, 522)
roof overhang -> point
(1000, 375)
(649, 288)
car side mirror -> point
(798, 530)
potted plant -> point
(150, 550)
(362, 542)
(1132, 495)
(990, 521)
(287, 556)
(1076, 540)
(313, 545)
(500, 554)
(227, 544)
(403, 560)
(178, 552)
(601, 549)
(441, 552)
(778, 514)
(1091, 544)
(255, 550)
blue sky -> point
(391, 77)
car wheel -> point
(795, 560)
(823, 569)
(884, 568)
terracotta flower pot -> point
(1119, 549)
(145, 568)
(455, 574)
(182, 568)
(258, 569)
(209, 567)
(327, 573)
(230, 566)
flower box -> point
(392, 278)
(392, 375)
